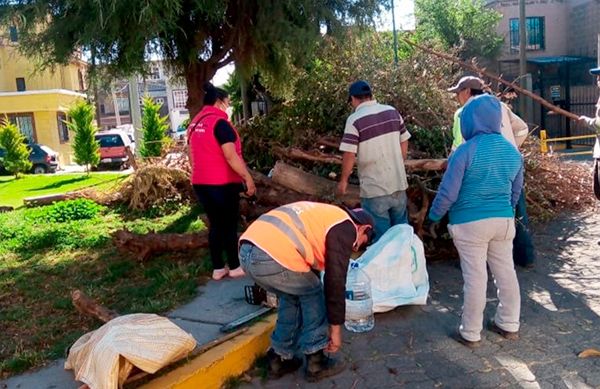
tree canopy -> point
(467, 25)
(195, 37)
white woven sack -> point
(396, 266)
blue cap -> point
(359, 88)
(595, 71)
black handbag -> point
(597, 179)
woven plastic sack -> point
(396, 266)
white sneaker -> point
(238, 272)
(220, 274)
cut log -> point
(89, 307)
(316, 186)
(144, 246)
(329, 141)
(272, 194)
(38, 201)
(411, 165)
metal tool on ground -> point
(254, 295)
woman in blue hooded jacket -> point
(479, 191)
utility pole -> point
(395, 33)
(115, 105)
(522, 55)
(134, 108)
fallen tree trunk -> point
(319, 187)
(144, 246)
(89, 307)
(411, 165)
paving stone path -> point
(410, 347)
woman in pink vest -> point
(219, 174)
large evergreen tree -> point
(196, 37)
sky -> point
(404, 11)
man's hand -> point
(335, 339)
(342, 187)
(433, 229)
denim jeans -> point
(387, 211)
(301, 316)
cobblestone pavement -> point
(410, 346)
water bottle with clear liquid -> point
(359, 303)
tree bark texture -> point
(322, 188)
(142, 247)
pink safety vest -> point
(209, 166)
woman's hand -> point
(335, 339)
(250, 187)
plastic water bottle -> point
(359, 303)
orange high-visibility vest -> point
(294, 234)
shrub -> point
(16, 155)
(85, 146)
(154, 129)
(70, 210)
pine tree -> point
(154, 129)
(85, 146)
(16, 156)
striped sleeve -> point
(350, 139)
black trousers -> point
(222, 206)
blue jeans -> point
(387, 211)
(301, 316)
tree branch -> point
(481, 71)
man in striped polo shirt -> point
(375, 134)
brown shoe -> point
(468, 343)
(319, 366)
(505, 334)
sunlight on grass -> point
(13, 191)
(41, 262)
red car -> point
(113, 149)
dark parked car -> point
(43, 159)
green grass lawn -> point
(13, 191)
(42, 261)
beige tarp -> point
(104, 358)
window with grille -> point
(63, 130)
(25, 123)
(535, 34)
(180, 97)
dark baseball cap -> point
(360, 216)
(467, 82)
(359, 88)
(595, 71)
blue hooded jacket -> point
(485, 174)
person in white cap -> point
(515, 130)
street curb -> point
(212, 368)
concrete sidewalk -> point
(411, 347)
(217, 303)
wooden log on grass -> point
(89, 307)
(143, 246)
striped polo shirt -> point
(374, 132)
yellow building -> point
(36, 101)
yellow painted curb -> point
(211, 369)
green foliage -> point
(85, 146)
(467, 25)
(432, 142)
(70, 210)
(194, 37)
(317, 105)
(16, 156)
(154, 129)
